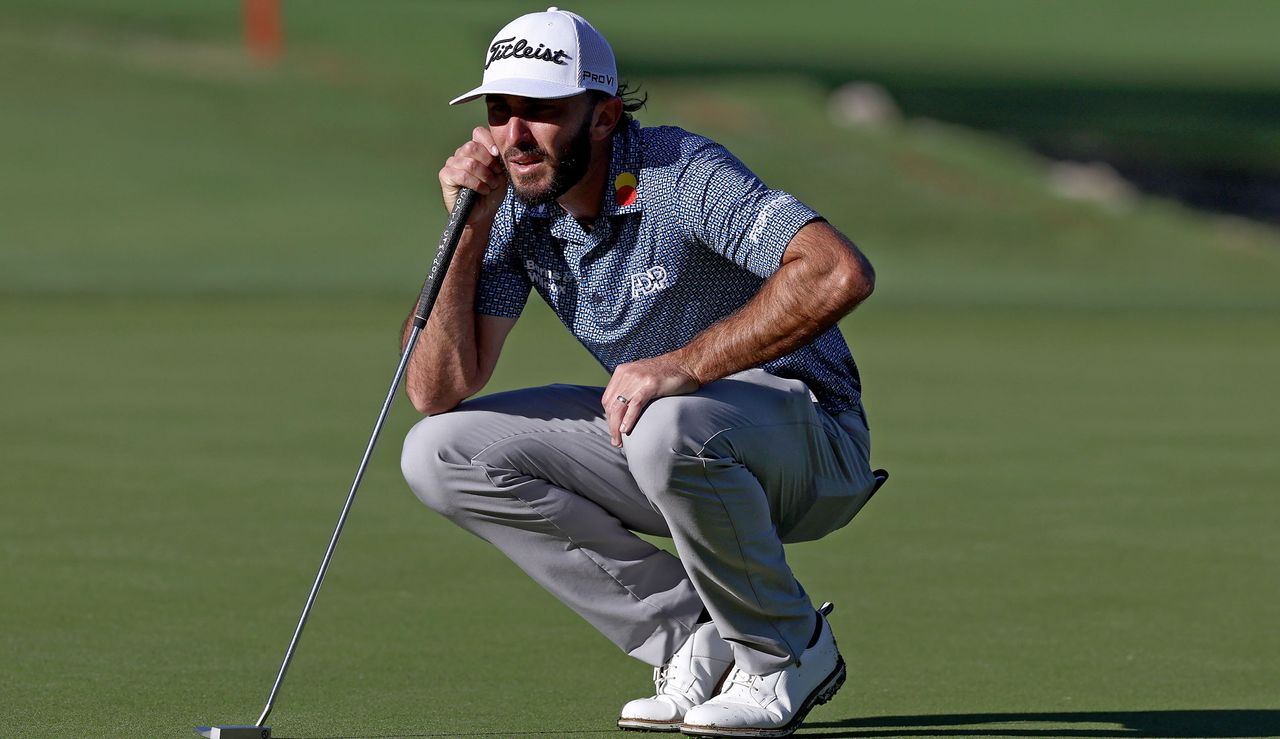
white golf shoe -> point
(774, 704)
(692, 675)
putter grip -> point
(444, 255)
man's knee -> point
(661, 441)
(430, 460)
(731, 423)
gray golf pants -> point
(729, 473)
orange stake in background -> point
(263, 30)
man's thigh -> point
(555, 433)
(812, 467)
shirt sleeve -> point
(503, 286)
(726, 207)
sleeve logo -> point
(762, 220)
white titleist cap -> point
(547, 55)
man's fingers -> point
(615, 411)
(485, 153)
(622, 416)
(484, 156)
(484, 138)
(460, 172)
(631, 414)
(611, 392)
(475, 165)
(617, 405)
(452, 178)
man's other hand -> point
(636, 384)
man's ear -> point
(607, 114)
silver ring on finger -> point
(623, 399)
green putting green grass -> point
(204, 267)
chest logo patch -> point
(624, 189)
(649, 281)
(549, 280)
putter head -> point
(234, 732)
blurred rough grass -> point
(147, 154)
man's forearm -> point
(823, 276)
(445, 367)
(806, 296)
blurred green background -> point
(204, 264)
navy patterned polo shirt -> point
(686, 236)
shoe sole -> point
(635, 724)
(825, 691)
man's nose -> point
(518, 129)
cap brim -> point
(522, 87)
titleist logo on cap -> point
(503, 49)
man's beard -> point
(569, 167)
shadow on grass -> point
(1212, 724)
(1137, 724)
(545, 732)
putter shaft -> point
(426, 301)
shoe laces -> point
(741, 681)
(660, 678)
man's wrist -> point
(685, 360)
(475, 237)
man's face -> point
(545, 144)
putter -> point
(426, 300)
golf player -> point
(732, 421)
